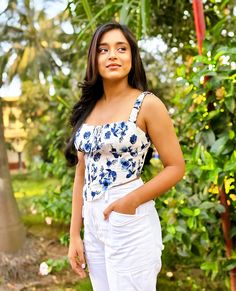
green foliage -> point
(145, 18)
(56, 203)
(151, 170)
(83, 285)
(206, 122)
(204, 119)
(64, 239)
(57, 265)
(33, 184)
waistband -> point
(116, 190)
(135, 183)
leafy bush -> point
(206, 122)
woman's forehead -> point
(114, 36)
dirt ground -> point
(20, 271)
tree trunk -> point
(12, 231)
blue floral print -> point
(133, 139)
(87, 134)
(111, 162)
(114, 152)
(93, 172)
(107, 176)
(107, 134)
(97, 157)
(119, 130)
(129, 166)
(87, 147)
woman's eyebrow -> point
(119, 42)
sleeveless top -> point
(114, 152)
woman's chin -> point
(114, 77)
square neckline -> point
(119, 122)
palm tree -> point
(33, 42)
(12, 231)
(144, 17)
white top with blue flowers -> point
(114, 152)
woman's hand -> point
(123, 205)
(76, 256)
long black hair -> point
(92, 86)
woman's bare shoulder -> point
(153, 104)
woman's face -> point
(114, 56)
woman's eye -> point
(102, 50)
(121, 49)
(105, 50)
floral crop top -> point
(114, 152)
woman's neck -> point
(115, 89)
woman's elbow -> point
(181, 169)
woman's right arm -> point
(76, 249)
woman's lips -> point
(113, 66)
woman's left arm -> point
(162, 133)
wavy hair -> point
(92, 86)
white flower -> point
(44, 269)
(169, 274)
(48, 220)
(33, 210)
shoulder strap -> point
(137, 105)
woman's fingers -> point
(78, 264)
(76, 257)
(78, 267)
(108, 210)
(82, 259)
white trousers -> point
(123, 253)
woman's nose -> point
(112, 54)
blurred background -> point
(43, 50)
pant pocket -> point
(131, 243)
(120, 219)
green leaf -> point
(190, 222)
(171, 229)
(187, 211)
(207, 205)
(209, 266)
(224, 51)
(180, 71)
(220, 208)
(145, 15)
(168, 237)
(211, 73)
(181, 229)
(87, 10)
(231, 164)
(124, 12)
(230, 265)
(231, 134)
(66, 104)
(188, 89)
(208, 137)
(219, 145)
(196, 212)
(230, 104)
(212, 114)
(208, 160)
(233, 232)
(92, 22)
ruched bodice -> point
(114, 152)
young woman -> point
(114, 123)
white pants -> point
(123, 253)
